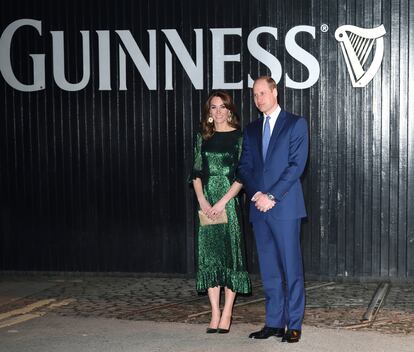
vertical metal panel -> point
(367, 128)
(410, 149)
(96, 180)
(403, 118)
(376, 166)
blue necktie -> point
(266, 137)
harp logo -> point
(363, 50)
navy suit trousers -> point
(280, 260)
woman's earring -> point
(210, 119)
(230, 117)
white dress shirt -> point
(273, 117)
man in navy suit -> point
(275, 150)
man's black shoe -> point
(267, 332)
(291, 336)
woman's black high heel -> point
(225, 331)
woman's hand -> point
(205, 206)
(217, 209)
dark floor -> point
(328, 304)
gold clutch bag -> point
(205, 220)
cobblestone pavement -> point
(336, 305)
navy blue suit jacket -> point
(280, 173)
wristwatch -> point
(270, 196)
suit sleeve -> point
(298, 154)
(245, 167)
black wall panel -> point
(96, 180)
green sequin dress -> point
(219, 248)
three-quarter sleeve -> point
(239, 151)
(197, 170)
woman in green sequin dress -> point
(220, 258)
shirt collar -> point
(274, 115)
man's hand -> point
(262, 202)
(256, 196)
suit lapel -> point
(276, 131)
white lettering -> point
(5, 60)
(194, 71)
(219, 58)
(262, 55)
(192, 63)
(303, 57)
(59, 62)
(147, 70)
(104, 60)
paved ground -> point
(54, 333)
(169, 308)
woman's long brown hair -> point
(207, 129)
